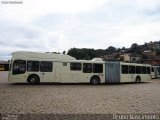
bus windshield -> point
(19, 67)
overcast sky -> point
(58, 25)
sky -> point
(58, 25)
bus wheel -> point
(138, 79)
(95, 80)
(33, 79)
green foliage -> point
(135, 49)
(111, 49)
(85, 53)
(64, 52)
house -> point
(4, 66)
(116, 57)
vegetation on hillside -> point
(89, 54)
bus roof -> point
(39, 55)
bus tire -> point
(138, 79)
(95, 80)
(33, 79)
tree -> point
(135, 48)
(85, 53)
(64, 52)
(111, 49)
(123, 48)
(79, 53)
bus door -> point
(46, 73)
(152, 72)
(57, 72)
(124, 75)
(132, 71)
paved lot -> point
(80, 98)
(3, 77)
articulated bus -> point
(34, 68)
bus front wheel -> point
(138, 79)
(33, 79)
(95, 80)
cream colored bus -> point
(34, 67)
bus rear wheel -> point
(95, 80)
(33, 79)
(138, 79)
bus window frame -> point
(86, 69)
(49, 67)
(75, 68)
(33, 70)
(144, 72)
(16, 72)
(148, 70)
(123, 67)
(138, 72)
(100, 68)
(131, 69)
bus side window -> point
(46, 66)
(97, 68)
(158, 70)
(144, 70)
(152, 69)
(124, 69)
(138, 70)
(132, 69)
(148, 70)
(33, 66)
(75, 66)
(19, 67)
(87, 68)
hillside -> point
(149, 50)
